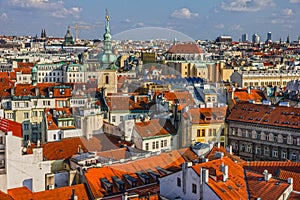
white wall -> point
(21, 167)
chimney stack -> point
(224, 169)
(267, 176)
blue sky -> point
(199, 19)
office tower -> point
(245, 37)
(255, 38)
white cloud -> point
(287, 12)
(236, 27)
(127, 20)
(184, 13)
(3, 17)
(294, 1)
(277, 21)
(246, 5)
(219, 26)
(55, 9)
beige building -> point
(264, 78)
(108, 79)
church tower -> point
(106, 58)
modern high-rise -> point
(269, 36)
(245, 37)
(255, 38)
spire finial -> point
(106, 16)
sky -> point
(197, 19)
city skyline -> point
(196, 19)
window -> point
(165, 143)
(294, 157)
(121, 118)
(194, 188)
(203, 132)
(249, 148)
(54, 137)
(26, 137)
(243, 147)
(275, 153)
(113, 118)
(267, 137)
(26, 104)
(161, 143)
(215, 132)
(209, 132)
(106, 79)
(34, 113)
(153, 145)
(266, 151)
(1, 140)
(198, 133)
(178, 182)
(147, 146)
(26, 115)
(157, 145)
(25, 126)
(257, 150)
(283, 154)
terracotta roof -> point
(24, 193)
(6, 85)
(243, 95)
(283, 174)
(4, 196)
(8, 75)
(118, 102)
(24, 90)
(8, 125)
(279, 116)
(154, 127)
(185, 49)
(273, 167)
(170, 161)
(215, 149)
(234, 188)
(294, 196)
(206, 115)
(68, 147)
(25, 64)
(24, 70)
(259, 188)
(115, 154)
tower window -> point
(106, 80)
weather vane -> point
(106, 16)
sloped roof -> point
(273, 167)
(243, 95)
(4, 196)
(234, 188)
(185, 49)
(8, 125)
(24, 193)
(259, 188)
(211, 154)
(278, 116)
(168, 160)
(216, 115)
(283, 174)
(154, 127)
(68, 147)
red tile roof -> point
(279, 116)
(283, 174)
(254, 95)
(115, 154)
(294, 196)
(68, 147)
(24, 70)
(24, 90)
(206, 115)
(215, 149)
(259, 188)
(185, 49)
(169, 160)
(25, 64)
(234, 188)
(4, 196)
(154, 127)
(8, 125)
(273, 167)
(63, 193)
